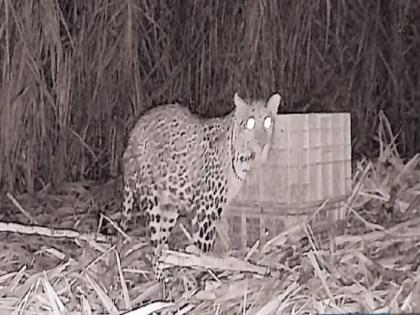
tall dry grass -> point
(76, 74)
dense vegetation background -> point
(76, 74)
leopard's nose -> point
(260, 138)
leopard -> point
(178, 162)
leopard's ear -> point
(273, 103)
(240, 105)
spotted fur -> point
(177, 163)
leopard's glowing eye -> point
(267, 122)
(250, 124)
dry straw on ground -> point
(369, 263)
(76, 74)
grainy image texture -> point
(177, 162)
(77, 74)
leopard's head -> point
(253, 132)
